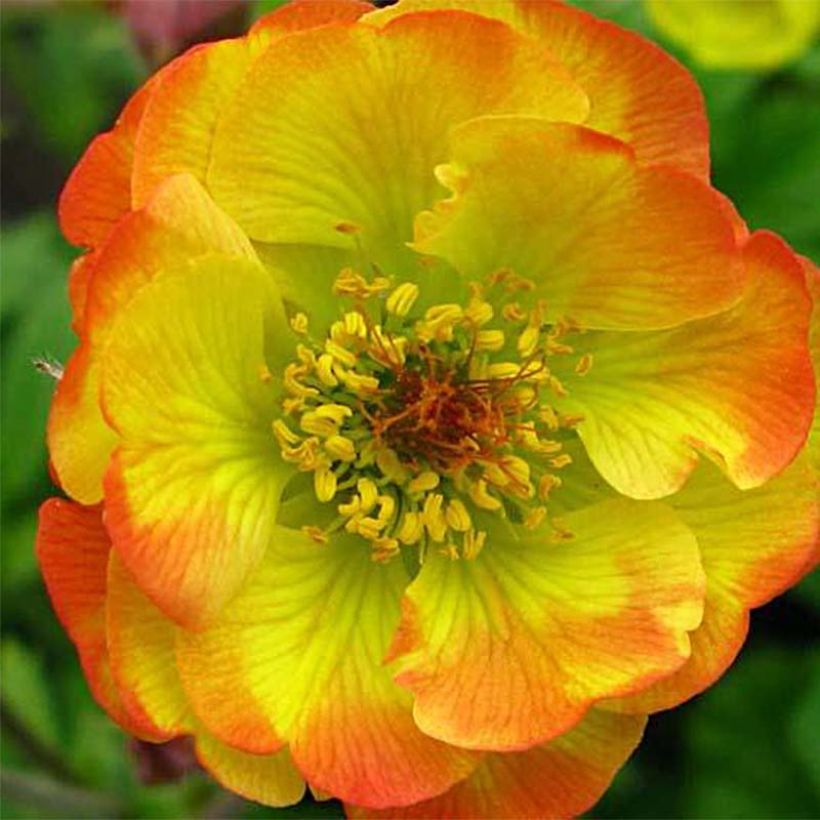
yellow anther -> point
(513, 312)
(525, 395)
(517, 468)
(299, 323)
(489, 340)
(265, 376)
(369, 528)
(571, 421)
(549, 417)
(292, 384)
(439, 322)
(312, 422)
(503, 370)
(457, 516)
(386, 348)
(433, 516)
(402, 299)
(306, 356)
(341, 448)
(473, 543)
(481, 497)
(368, 493)
(478, 312)
(411, 529)
(561, 461)
(557, 387)
(324, 483)
(293, 406)
(428, 480)
(528, 340)
(556, 348)
(535, 517)
(358, 383)
(317, 534)
(584, 364)
(384, 548)
(546, 484)
(340, 354)
(387, 507)
(495, 475)
(355, 325)
(336, 412)
(390, 465)
(284, 435)
(324, 370)
(349, 283)
(350, 508)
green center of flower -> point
(419, 424)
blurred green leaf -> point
(35, 322)
(72, 64)
(748, 763)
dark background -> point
(749, 748)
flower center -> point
(418, 425)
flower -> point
(433, 420)
(738, 34)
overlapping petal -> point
(308, 635)
(360, 118)
(511, 649)
(737, 387)
(558, 779)
(141, 648)
(193, 487)
(754, 544)
(178, 225)
(73, 549)
(271, 778)
(637, 92)
(606, 241)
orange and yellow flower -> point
(433, 421)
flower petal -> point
(193, 487)
(141, 646)
(637, 92)
(360, 118)
(311, 628)
(271, 779)
(754, 544)
(610, 243)
(98, 192)
(512, 648)
(179, 224)
(562, 778)
(737, 386)
(73, 549)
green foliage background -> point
(749, 748)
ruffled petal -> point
(754, 545)
(73, 549)
(737, 387)
(610, 243)
(637, 92)
(193, 487)
(178, 225)
(307, 635)
(271, 778)
(348, 143)
(98, 192)
(141, 645)
(511, 649)
(562, 778)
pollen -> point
(421, 426)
